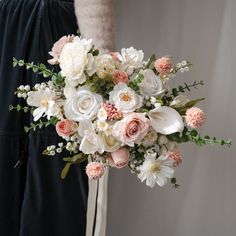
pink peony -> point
(131, 129)
(163, 65)
(57, 47)
(120, 77)
(195, 117)
(119, 158)
(95, 170)
(176, 157)
(65, 127)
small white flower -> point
(157, 105)
(27, 87)
(104, 65)
(183, 63)
(40, 99)
(21, 87)
(60, 144)
(82, 104)
(102, 114)
(125, 99)
(162, 139)
(58, 150)
(153, 100)
(150, 138)
(156, 170)
(151, 84)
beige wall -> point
(205, 204)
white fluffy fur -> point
(95, 20)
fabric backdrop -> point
(203, 31)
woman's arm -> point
(95, 20)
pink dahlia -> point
(195, 117)
(163, 65)
(95, 170)
(112, 112)
(176, 157)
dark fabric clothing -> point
(34, 201)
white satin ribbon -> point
(97, 196)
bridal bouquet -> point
(115, 109)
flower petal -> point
(166, 120)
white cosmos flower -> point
(156, 170)
(151, 84)
(73, 60)
(82, 104)
(131, 58)
(42, 100)
(166, 120)
(124, 98)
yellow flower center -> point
(155, 168)
(44, 103)
(125, 97)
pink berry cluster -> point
(112, 112)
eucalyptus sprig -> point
(134, 84)
(195, 137)
(41, 69)
(40, 124)
(186, 87)
(18, 107)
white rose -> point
(82, 104)
(132, 58)
(125, 98)
(151, 84)
(74, 59)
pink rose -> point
(120, 77)
(65, 127)
(119, 158)
(95, 170)
(163, 65)
(57, 47)
(131, 129)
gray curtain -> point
(203, 31)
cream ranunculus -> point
(151, 84)
(74, 59)
(125, 99)
(82, 104)
(111, 144)
(166, 120)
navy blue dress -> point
(34, 201)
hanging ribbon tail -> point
(97, 204)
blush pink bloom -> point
(163, 65)
(95, 170)
(112, 112)
(176, 157)
(131, 129)
(120, 77)
(119, 158)
(57, 47)
(65, 127)
(195, 117)
(115, 56)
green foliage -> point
(182, 109)
(41, 69)
(72, 160)
(174, 183)
(20, 108)
(150, 63)
(182, 89)
(41, 124)
(135, 83)
(195, 137)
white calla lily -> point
(166, 120)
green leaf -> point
(65, 170)
(18, 107)
(26, 129)
(193, 133)
(151, 59)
